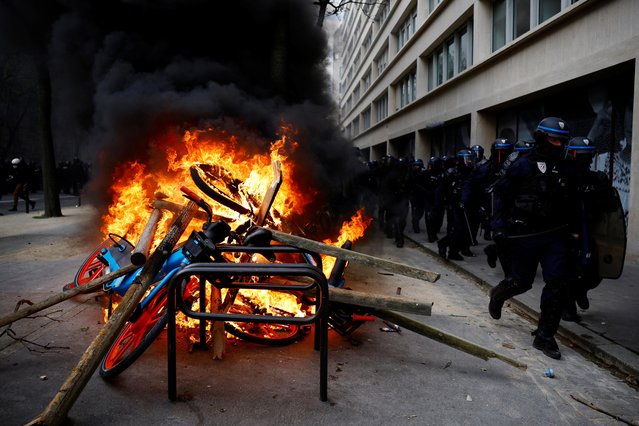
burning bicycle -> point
(149, 319)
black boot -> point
(467, 252)
(453, 255)
(546, 344)
(442, 249)
(500, 293)
(491, 255)
(582, 301)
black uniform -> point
(532, 208)
(594, 194)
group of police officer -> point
(533, 200)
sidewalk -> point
(608, 330)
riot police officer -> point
(433, 206)
(594, 194)
(479, 152)
(488, 173)
(458, 237)
(418, 193)
(531, 211)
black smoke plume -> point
(127, 72)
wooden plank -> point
(353, 256)
(65, 295)
(379, 301)
(445, 338)
(142, 248)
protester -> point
(19, 177)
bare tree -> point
(329, 8)
(31, 31)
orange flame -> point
(134, 185)
(352, 230)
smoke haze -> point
(125, 73)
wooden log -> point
(142, 248)
(353, 256)
(176, 208)
(271, 192)
(56, 412)
(379, 301)
(445, 338)
(68, 294)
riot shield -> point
(608, 236)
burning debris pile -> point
(241, 178)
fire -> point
(135, 185)
(352, 230)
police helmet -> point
(448, 162)
(552, 127)
(524, 146)
(479, 151)
(500, 149)
(466, 157)
(435, 164)
(579, 147)
(15, 161)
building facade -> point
(423, 78)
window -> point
(381, 108)
(381, 60)
(384, 10)
(452, 57)
(513, 18)
(407, 89)
(366, 118)
(432, 4)
(366, 81)
(465, 49)
(521, 17)
(356, 94)
(499, 24)
(548, 8)
(407, 29)
(355, 127)
(366, 44)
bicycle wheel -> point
(262, 333)
(219, 184)
(136, 336)
(91, 268)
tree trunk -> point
(45, 135)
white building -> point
(424, 78)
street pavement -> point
(608, 330)
(375, 377)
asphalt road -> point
(375, 377)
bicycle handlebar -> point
(190, 194)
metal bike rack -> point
(223, 270)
